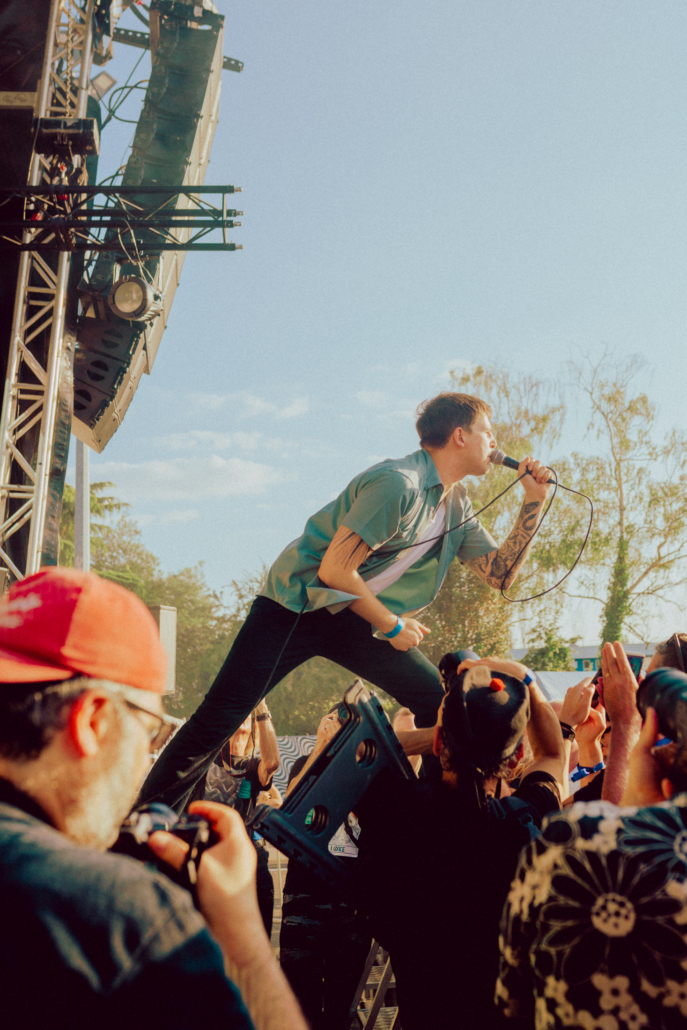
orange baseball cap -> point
(63, 622)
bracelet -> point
(529, 678)
(567, 731)
(585, 770)
(264, 717)
(396, 630)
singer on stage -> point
(358, 593)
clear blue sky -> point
(425, 185)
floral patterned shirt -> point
(594, 931)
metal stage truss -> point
(33, 376)
(135, 220)
(74, 359)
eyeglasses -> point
(158, 735)
(677, 643)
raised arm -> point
(512, 554)
(549, 750)
(267, 741)
(620, 702)
(328, 728)
(416, 742)
(339, 570)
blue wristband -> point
(396, 630)
(584, 770)
(529, 678)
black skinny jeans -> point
(344, 638)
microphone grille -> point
(496, 457)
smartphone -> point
(636, 662)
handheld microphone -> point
(497, 457)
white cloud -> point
(459, 365)
(250, 405)
(373, 398)
(250, 441)
(181, 479)
(213, 401)
(299, 407)
(195, 437)
(254, 405)
(210, 440)
(165, 518)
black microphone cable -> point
(512, 600)
(406, 547)
(534, 597)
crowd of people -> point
(529, 872)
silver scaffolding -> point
(40, 304)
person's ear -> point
(667, 789)
(458, 436)
(438, 741)
(90, 719)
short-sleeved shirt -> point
(435, 873)
(98, 940)
(594, 930)
(388, 506)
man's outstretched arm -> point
(500, 567)
(339, 570)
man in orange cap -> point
(93, 938)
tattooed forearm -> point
(495, 567)
(347, 550)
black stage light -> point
(68, 135)
(134, 299)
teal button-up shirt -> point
(389, 506)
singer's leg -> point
(408, 676)
(237, 688)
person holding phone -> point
(594, 737)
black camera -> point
(138, 826)
(666, 692)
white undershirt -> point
(410, 556)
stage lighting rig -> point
(134, 299)
(90, 271)
(66, 136)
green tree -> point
(204, 627)
(467, 614)
(550, 652)
(102, 506)
(639, 486)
